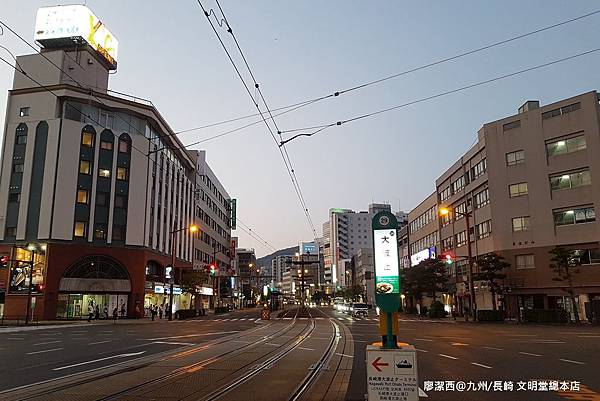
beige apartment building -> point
(530, 183)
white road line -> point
(306, 349)
(15, 338)
(424, 339)
(447, 356)
(233, 320)
(100, 342)
(421, 350)
(481, 365)
(494, 348)
(99, 360)
(528, 353)
(46, 350)
(347, 356)
(189, 335)
(274, 345)
(588, 336)
(171, 343)
(359, 341)
(571, 361)
(48, 342)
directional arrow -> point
(376, 364)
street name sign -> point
(387, 266)
(392, 374)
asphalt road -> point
(33, 356)
(459, 351)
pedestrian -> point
(453, 313)
(161, 309)
(115, 314)
(105, 312)
(97, 314)
(122, 310)
(138, 312)
(153, 311)
(90, 312)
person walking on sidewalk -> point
(161, 309)
(105, 312)
(115, 314)
(153, 311)
(90, 312)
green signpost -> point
(387, 269)
(233, 203)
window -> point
(520, 223)
(85, 167)
(21, 139)
(87, 139)
(525, 261)
(14, 197)
(447, 243)
(460, 210)
(482, 198)
(80, 229)
(562, 110)
(458, 184)
(574, 216)
(570, 180)
(479, 169)
(106, 145)
(18, 168)
(121, 173)
(588, 256)
(118, 233)
(511, 125)
(24, 111)
(82, 196)
(516, 157)
(121, 201)
(100, 231)
(446, 219)
(461, 239)
(123, 146)
(104, 172)
(484, 229)
(568, 145)
(519, 189)
(11, 232)
(102, 198)
(445, 194)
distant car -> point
(359, 309)
(348, 308)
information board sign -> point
(387, 264)
(392, 374)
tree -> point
(565, 263)
(192, 280)
(433, 277)
(490, 266)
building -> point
(526, 186)
(279, 265)
(92, 186)
(248, 276)
(423, 230)
(365, 273)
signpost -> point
(392, 374)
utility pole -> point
(302, 275)
(31, 261)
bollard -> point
(266, 314)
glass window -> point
(87, 139)
(570, 180)
(520, 223)
(118, 233)
(479, 169)
(14, 197)
(18, 168)
(80, 229)
(516, 157)
(104, 172)
(82, 196)
(574, 216)
(85, 167)
(511, 125)
(123, 146)
(24, 111)
(120, 201)
(445, 194)
(519, 189)
(484, 229)
(106, 145)
(100, 231)
(121, 173)
(21, 139)
(482, 198)
(11, 232)
(568, 145)
(461, 239)
(102, 198)
(525, 261)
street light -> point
(192, 229)
(444, 211)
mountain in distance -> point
(265, 261)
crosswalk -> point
(341, 319)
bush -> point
(185, 314)
(545, 316)
(485, 315)
(436, 310)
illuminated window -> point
(121, 173)
(123, 146)
(85, 167)
(24, 111)
(100, 231)
(574, 216)
(106, 145)
(525, 261)
(570, 180)
(104, 172)
(569, 145)
(80, 229)
(82, 196)
(87, 139)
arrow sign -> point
(376, 364)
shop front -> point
(157, 294)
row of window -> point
(457, 185)
(423, 243)
(102, 198)
(561, 110)
(85, 167)
(88, 140)
(553, 148)
(80, 230)
(425, 218)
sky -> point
(299, 50)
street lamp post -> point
(31, 249)
(445, 211)
(193, 229)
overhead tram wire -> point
(250, 229)
(409, 71)
(254, 101)
(323, 127)
(257, 86)
(257, 239)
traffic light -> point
(4, 261)
(213, 269)
(448, 258)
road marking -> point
(494, 348)
(347, 356)
(571, 361)
(99, 360)
(306, 349)
(447, 356)
(15, 338)
(273, 345)
(421, 350)
(233, 320)
(459, 344)
(359, 341)
(190, 335)
(48, 342)
(588, 336)
(528, 353)
(171, 343)
(481, 365)
(46, 350)
(424, 339)
(522, 335)
(100, 342)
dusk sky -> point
(300, 50)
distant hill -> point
(265, 261)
